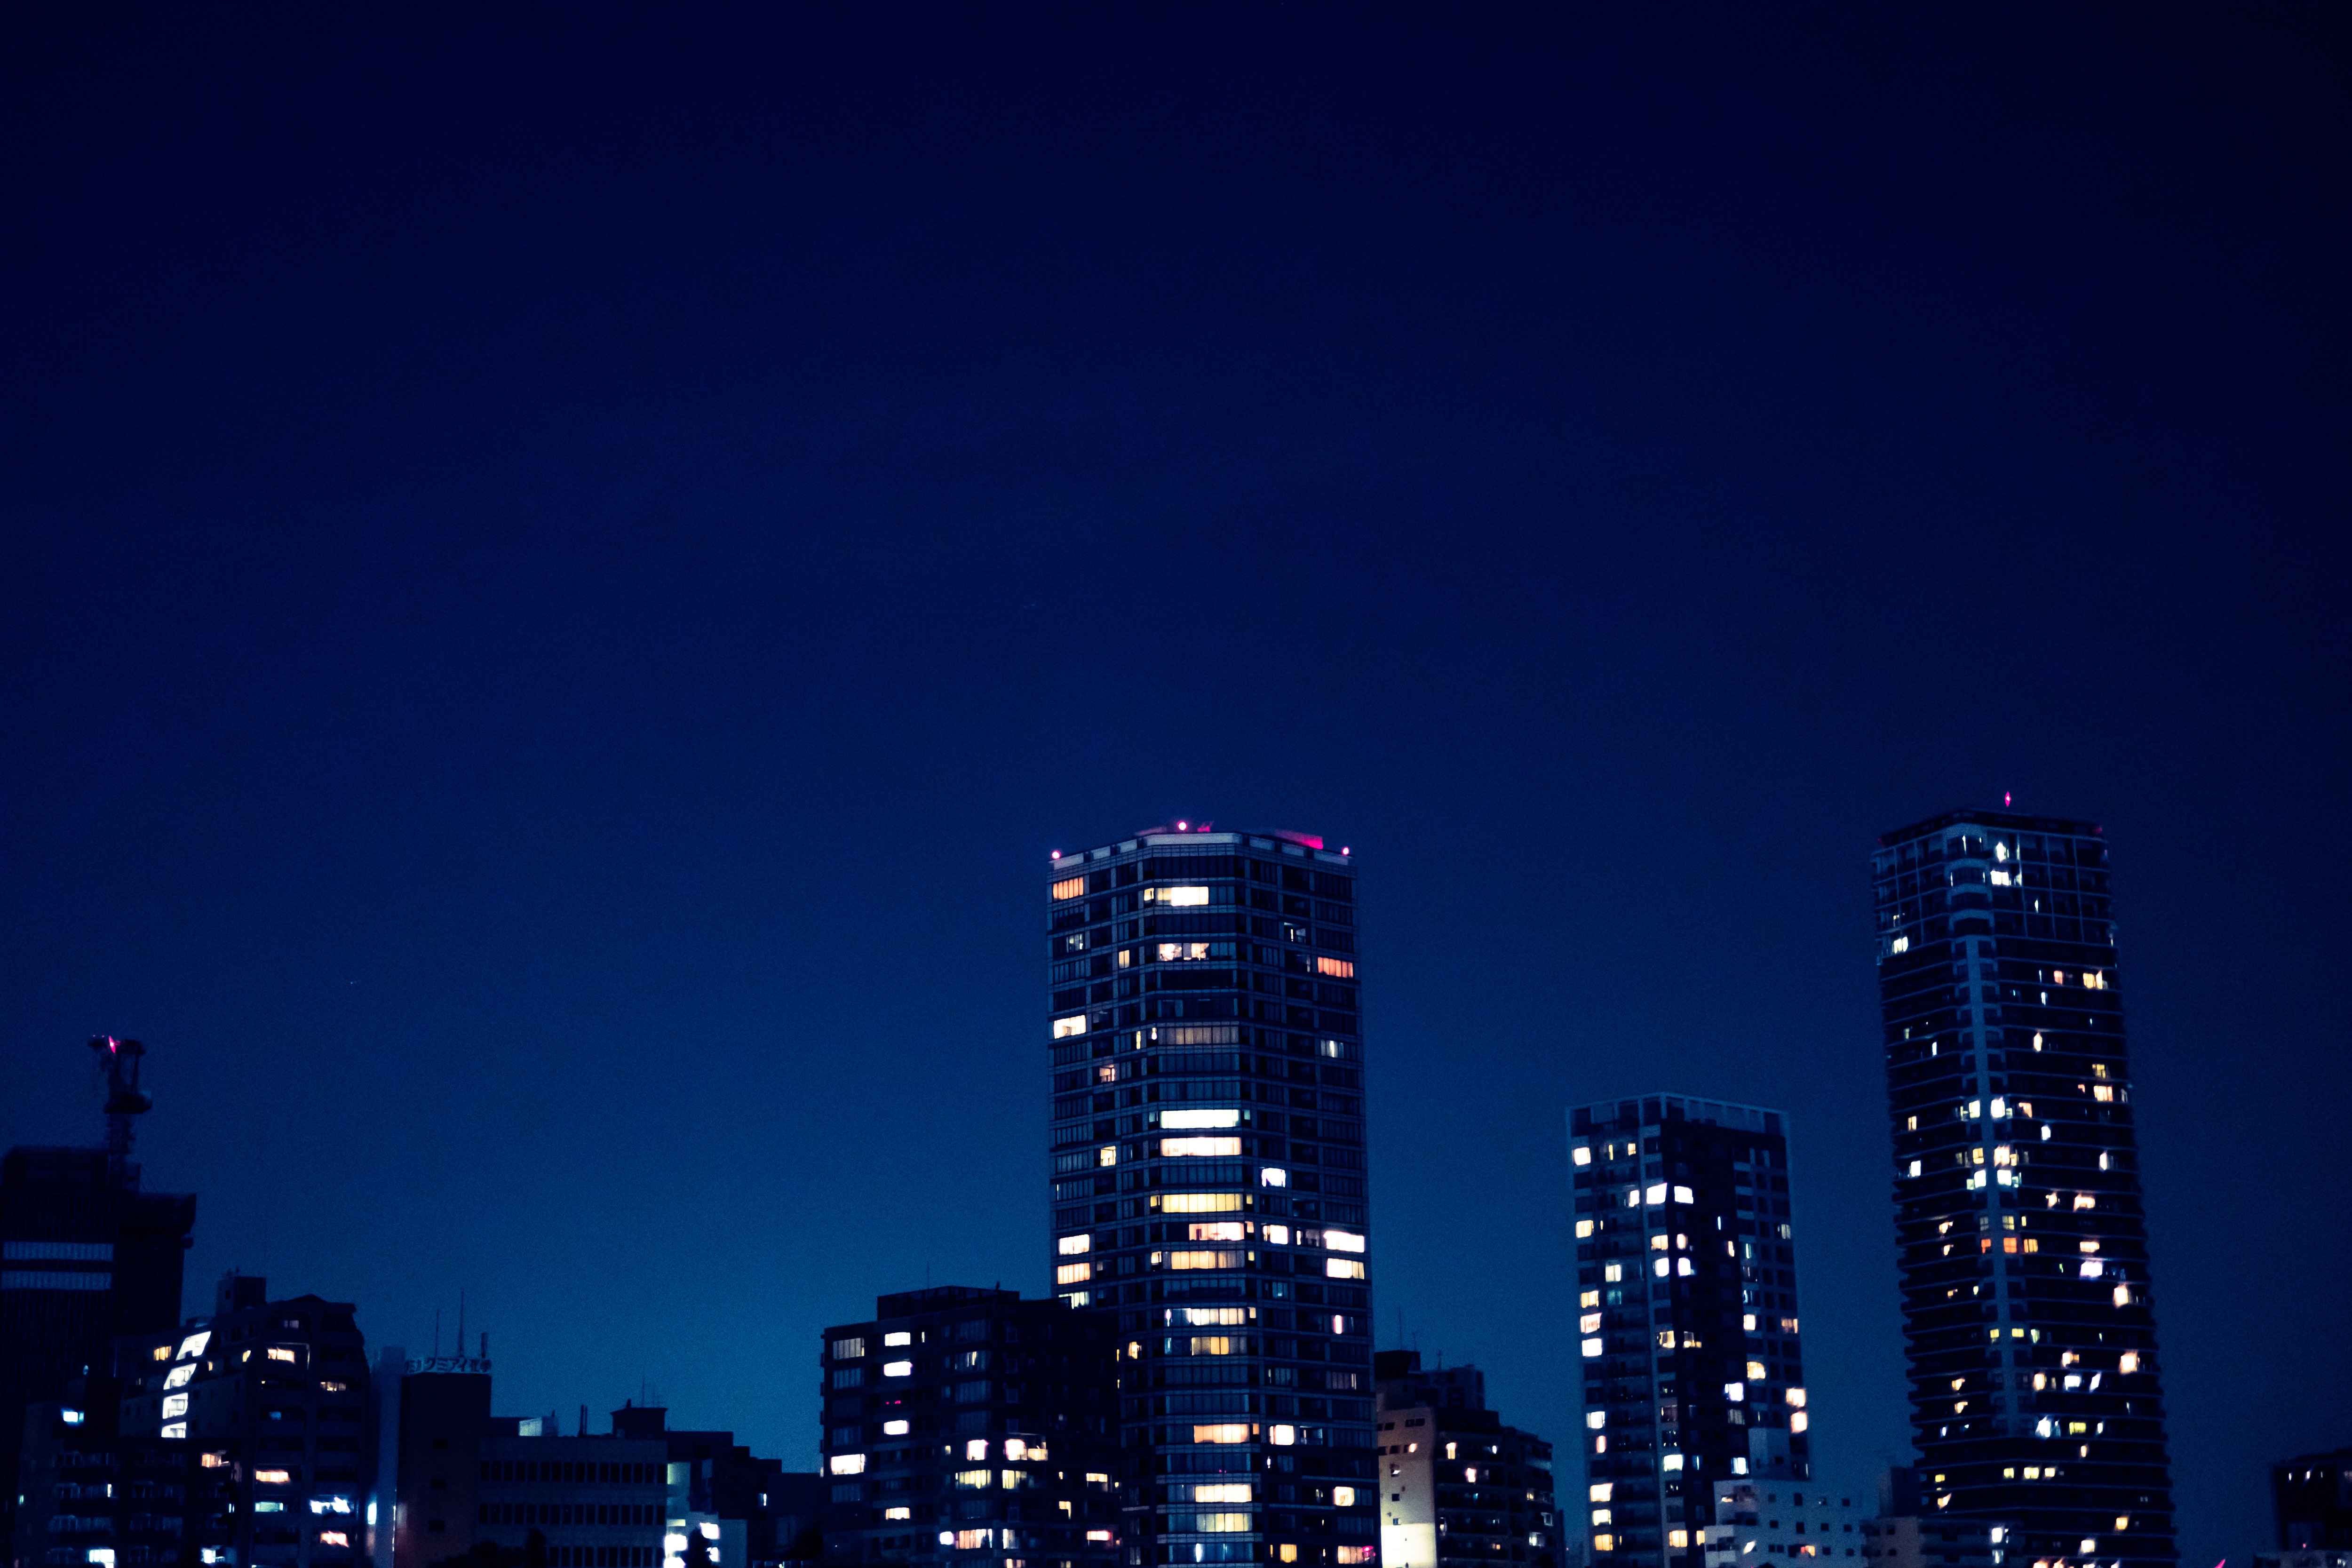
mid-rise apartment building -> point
(271, 1397)
(1456, 1486)
(969, 1426)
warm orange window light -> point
(1069, 888)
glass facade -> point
(1688, 1320)
(2028, 1322)
(1207, 1185)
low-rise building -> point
(1767, 1521)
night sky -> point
(562, 572)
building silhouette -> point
(969, 1426)
(85, 1257)
(1687, 1326)
(2312, 1495)
(1208, 1197)
(2029, 1323)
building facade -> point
(1208, 1197)
(1688, 1320)
(87, 1494)
(2029, 1323)
(971, 1427)
(1457, 1487)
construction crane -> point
(119, 1059)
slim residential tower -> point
(1208, 1184)
(1686, 1302)
(2027, 1317)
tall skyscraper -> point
(1208, 1184)
(2027, 1317)
(1687, 1324)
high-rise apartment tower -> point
(1687, 1322)
(2027, 1317)
(1208, 1184)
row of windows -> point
(577, 1472)
(582, 1513)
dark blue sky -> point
(562, 571)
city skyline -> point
(565, 575)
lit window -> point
(1212, 1148)
(1678, 1539)
(1682, 1195)
(1215, 1230)
(972, 1539)
(1070, 1274)
(279, 1353)
(903, 1337)
(1612, 1273)
(1591, 1347)
(1069, 1246)
(174, 1404)
(178, 1376)
(1659, 1267)
(2130, 1361)
(1660, 1242)
(1106, 1155)
(1798, 1420)
(1682, 1267)
(1655, 1194)
(1343, 1241)
(2123, 1294)
(896, 1429)
(1184, 1119)
(1201, 1203)
(1597, 1492)
(194, 1345)
(334, 1538)
(1590, 1324)
(1277, 1234)
(898, 1369)
(1069, 888)
(898, 1513)
(1735, 1391)
(1347, 1556)
(1274, 1177)
(1596, 1419)
(1584, 1229)
(1582, 1154)
(1181, 1260)
(1756, 1371)
(1076, 1024)
(1234, 1432)
(1337, 968)
(976, 1448)
(847, 1465)
(1342, 1268)
(273, 1478)
(1604, 1543)
(1181, 898)
(1797, 1398)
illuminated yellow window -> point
(1069, 888)
(1337, 968)
(1074, 1273)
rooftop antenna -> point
(119, 1059)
